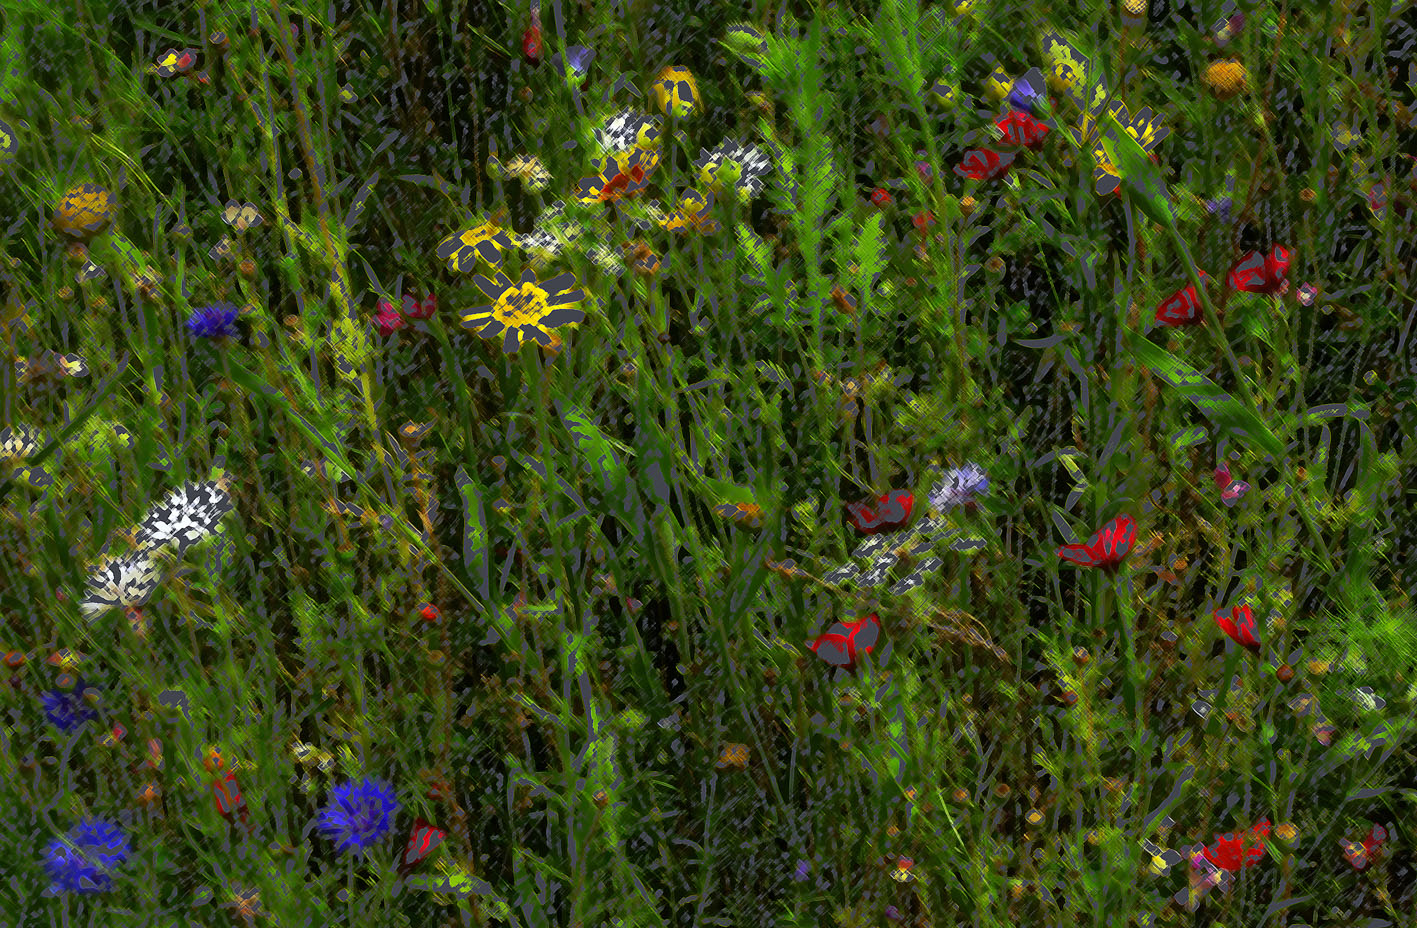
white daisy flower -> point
(959, 487)
(119, 583)
(532, 172)
(734, 166)
(19, 442)
(188, 516)
(606, 258)
(540, 245)
(17, 445)
(626, 131)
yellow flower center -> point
(519, 306)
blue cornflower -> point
(358, 814)
(215, 321)
(83, 861)
(1027, 93)
(1221, 207)
(67, 709)
(959, 487)
(577, 61)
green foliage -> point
(548, 596)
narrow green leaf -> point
(475, 545)
(1224, 411)
(1188, 437)
(100, 394)
(322, 435)
(598, 452)
(870, 251)
(1141, 177)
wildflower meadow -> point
(606, 464)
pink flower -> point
(420, 309)
(388, 321)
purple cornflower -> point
(67, 709)
(215, 321)
(803, 869)
(84, 859)
(959, 487)
(1221, 207)
(1027, 93)
(358, 814)
(577, 61)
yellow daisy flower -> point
(85, 211)
(486, 242)
(524, 311)
(8, 144)
(1070, 73)
(998, 84)
(532, 172)
(1226, 78)
(676, 91)
(733, 755)
(1144, 127)
(241, 216)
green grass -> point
(608, 647)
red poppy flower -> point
(1230, 489)
(1022, 130)
(424, 839)
(419, 309)
(1360, 855)
(1240, 626)
(1230, 851)
(388, 321)
(227, 795)
(893, 512)
(1256, 273)
(1182, 307)
(619, 179)
(880, 197)
(1106, 548)
(531, 39)
(841, 644)
(983, 164)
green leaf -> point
(1141, 177)
(755, 250)
(321, 434)
(870, 252)
(475, 545)
(598, 452)
(1227, 413)
(723, 491)
(1188, 437)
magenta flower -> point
(419, 309)
(389, 320)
